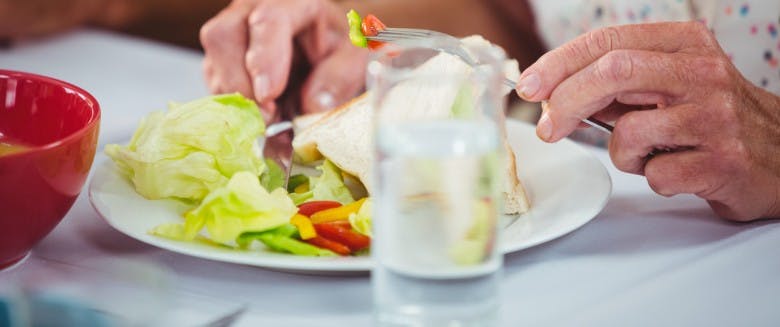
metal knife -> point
(278, 146)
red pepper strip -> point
(325, 243)
(309, 208)
(355, 241)
(371, 26)
(339, 223)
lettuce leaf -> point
(273, 178)
(193, 148)
(241, 206)
(328, 186)
(361, 221)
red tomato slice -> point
(371, 25)
(375, 45)
(309, 208)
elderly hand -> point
(252, 47)
(685, 117)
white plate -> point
(566, 185)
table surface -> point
(644, 260)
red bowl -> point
(58, 123)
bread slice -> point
(343, 135)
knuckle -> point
(628, 129)
(715, 69)
(211, 32)
(253, 60)
(615, 66)
(602, 41)
(264, 13)
(701, 33)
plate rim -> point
(319, 265)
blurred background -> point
(175, 22)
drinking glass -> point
(439, 127)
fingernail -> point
(262, 87)
(544, 127)
(325, 100)
(529, 85)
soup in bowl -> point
(48, 136)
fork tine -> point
(406, 31)
(402, 35)
(413, 31)
(382, 38)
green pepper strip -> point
(355, 33)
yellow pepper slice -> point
(340, 213)
(304, 225)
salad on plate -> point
(205, 154)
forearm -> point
(175, 21)
(461, 18)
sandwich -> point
(343, 135)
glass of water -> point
(439, 126)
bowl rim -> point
(94, 120)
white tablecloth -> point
(645, 260)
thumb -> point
(335, 80)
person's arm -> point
(175, 21)
(509, 24)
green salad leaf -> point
(361, 221)
(193, 148)
(241, 206)
(273, 178)
(328, 186)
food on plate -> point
(342, 136)
(206, 153)
(329, 185)
(241, 206)
(192, 148)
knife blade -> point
(277, 146)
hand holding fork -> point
(449, 44)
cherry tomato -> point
(371, 25)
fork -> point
(450, 44)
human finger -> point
(638, 134)
(669, 76)
(539, 80)
(273, 26)
(268, 58)
(674, 173)
(224, 39)
(334, 80)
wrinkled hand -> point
(257, 47)
(685, 117)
